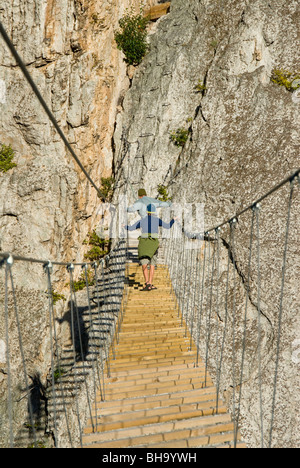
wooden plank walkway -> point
(155, 397)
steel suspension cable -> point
(91, 330)
(259, 334)
(101, 334)
(258, 201)
(51, 313)
(70, 268)
(9, 378)
(48, 271)
(247, 287)
(284, 265)
(232, 246)
(201, 305)
(217, 308)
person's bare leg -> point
(146, 274)
(151, 274)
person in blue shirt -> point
(141, 204)
(149, 243)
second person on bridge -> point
(149, 243)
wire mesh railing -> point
(236, 289)
(50, 409)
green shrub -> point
(6, 157)
(285, 78)
(107, 187)
(200, 86)
(163, 193)
(81, 282)
(179, 137)
(131, 38)
(57, 297)
(59, 372)
(100, 247)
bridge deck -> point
(155, 397)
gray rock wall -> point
(243, 140)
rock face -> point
(69, 49)
(208, 71)
(47, 207)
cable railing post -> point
(8, 264)
(48, 269)
(233, 225)
(279, 326)
(70, 268)
(101, 334)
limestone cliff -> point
(209, 72)
(47, 207)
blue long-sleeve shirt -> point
(141, 205)
(149, 225)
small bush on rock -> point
(289, 80)
(6, 158)
(131, 38)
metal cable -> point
(91, 330)
(72, 292)
(48, 271)
(28, 390)
(284, 262)
(247, 287)
(101, 335)
(8, 367)
(259, 334)
(232, 245)
(258, 201)
(217, 309)
(201, 306)
(219, 370)
(50, 308)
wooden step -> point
(165, 432)
(158, 392)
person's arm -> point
(166, 225)
(135, 207)
(159, 203)
(135, 226)
(163, 204)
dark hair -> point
(142, 192)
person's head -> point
(151, 210)
(142, 193)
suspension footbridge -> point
(172, 367)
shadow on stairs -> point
(155, 396)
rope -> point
(209, 281)
(72, 292)
(217, 309)
(93, 351)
